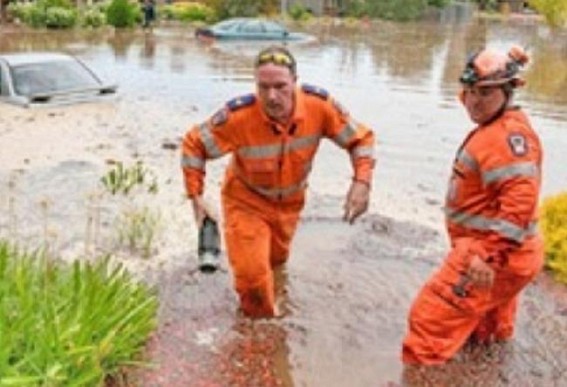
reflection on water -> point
(423, 56)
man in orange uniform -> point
(273, 136)
(491, 216)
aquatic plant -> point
(554, 228)
(69, 325)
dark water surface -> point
(346, 289)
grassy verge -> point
(68, 325)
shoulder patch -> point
(240, 102)
(220, 117)
(518, 144)
(315, 90)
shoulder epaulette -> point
(240, 102)
(315, 90)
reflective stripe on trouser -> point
(440, 322)
(256, 241)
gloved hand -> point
(357, 200)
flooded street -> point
(346, 290)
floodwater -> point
(346, 290)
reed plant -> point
(122, 179)
(69, 325)
(137, 229)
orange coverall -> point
(491, 212)
(264, 187)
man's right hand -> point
(201, 210)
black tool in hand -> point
(209, 246)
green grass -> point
(68, 325)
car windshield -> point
(227, 25)
(49, 77)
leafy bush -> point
(438, 3)
(188, 11)
(67, 325)
(299, 13)
(122, 13)
(356, 8)
(554, 11)
(46, 13)
(57, 17)
(554, 228)
(93, 17)
(232, 8)
(399, 10)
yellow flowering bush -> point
(554, 228)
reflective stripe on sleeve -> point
(343, 138)
(212, 150)
(527, 169)
(477, 222)
(465, 158)
(362, 151)
(193, 162)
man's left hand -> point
(356, 201)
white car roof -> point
(17, 59)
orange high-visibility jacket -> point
(271, 160)
(494, 188)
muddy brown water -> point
(346, 289)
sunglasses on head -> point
(279, 58)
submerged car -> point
(31, 79)
(248, 29)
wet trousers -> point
(258, 235)
(442, 319)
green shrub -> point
(225, 9)
(46, 13)
(356, 9)
(438, 3)
(299, 13)
(93, 17)
(21, 11)
(554, 11)
(398, 10)
(122, 13)
(554, 228)
(68, 325)
(57, 17)
(188, 11)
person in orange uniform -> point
(491, 218)
(273, 136)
